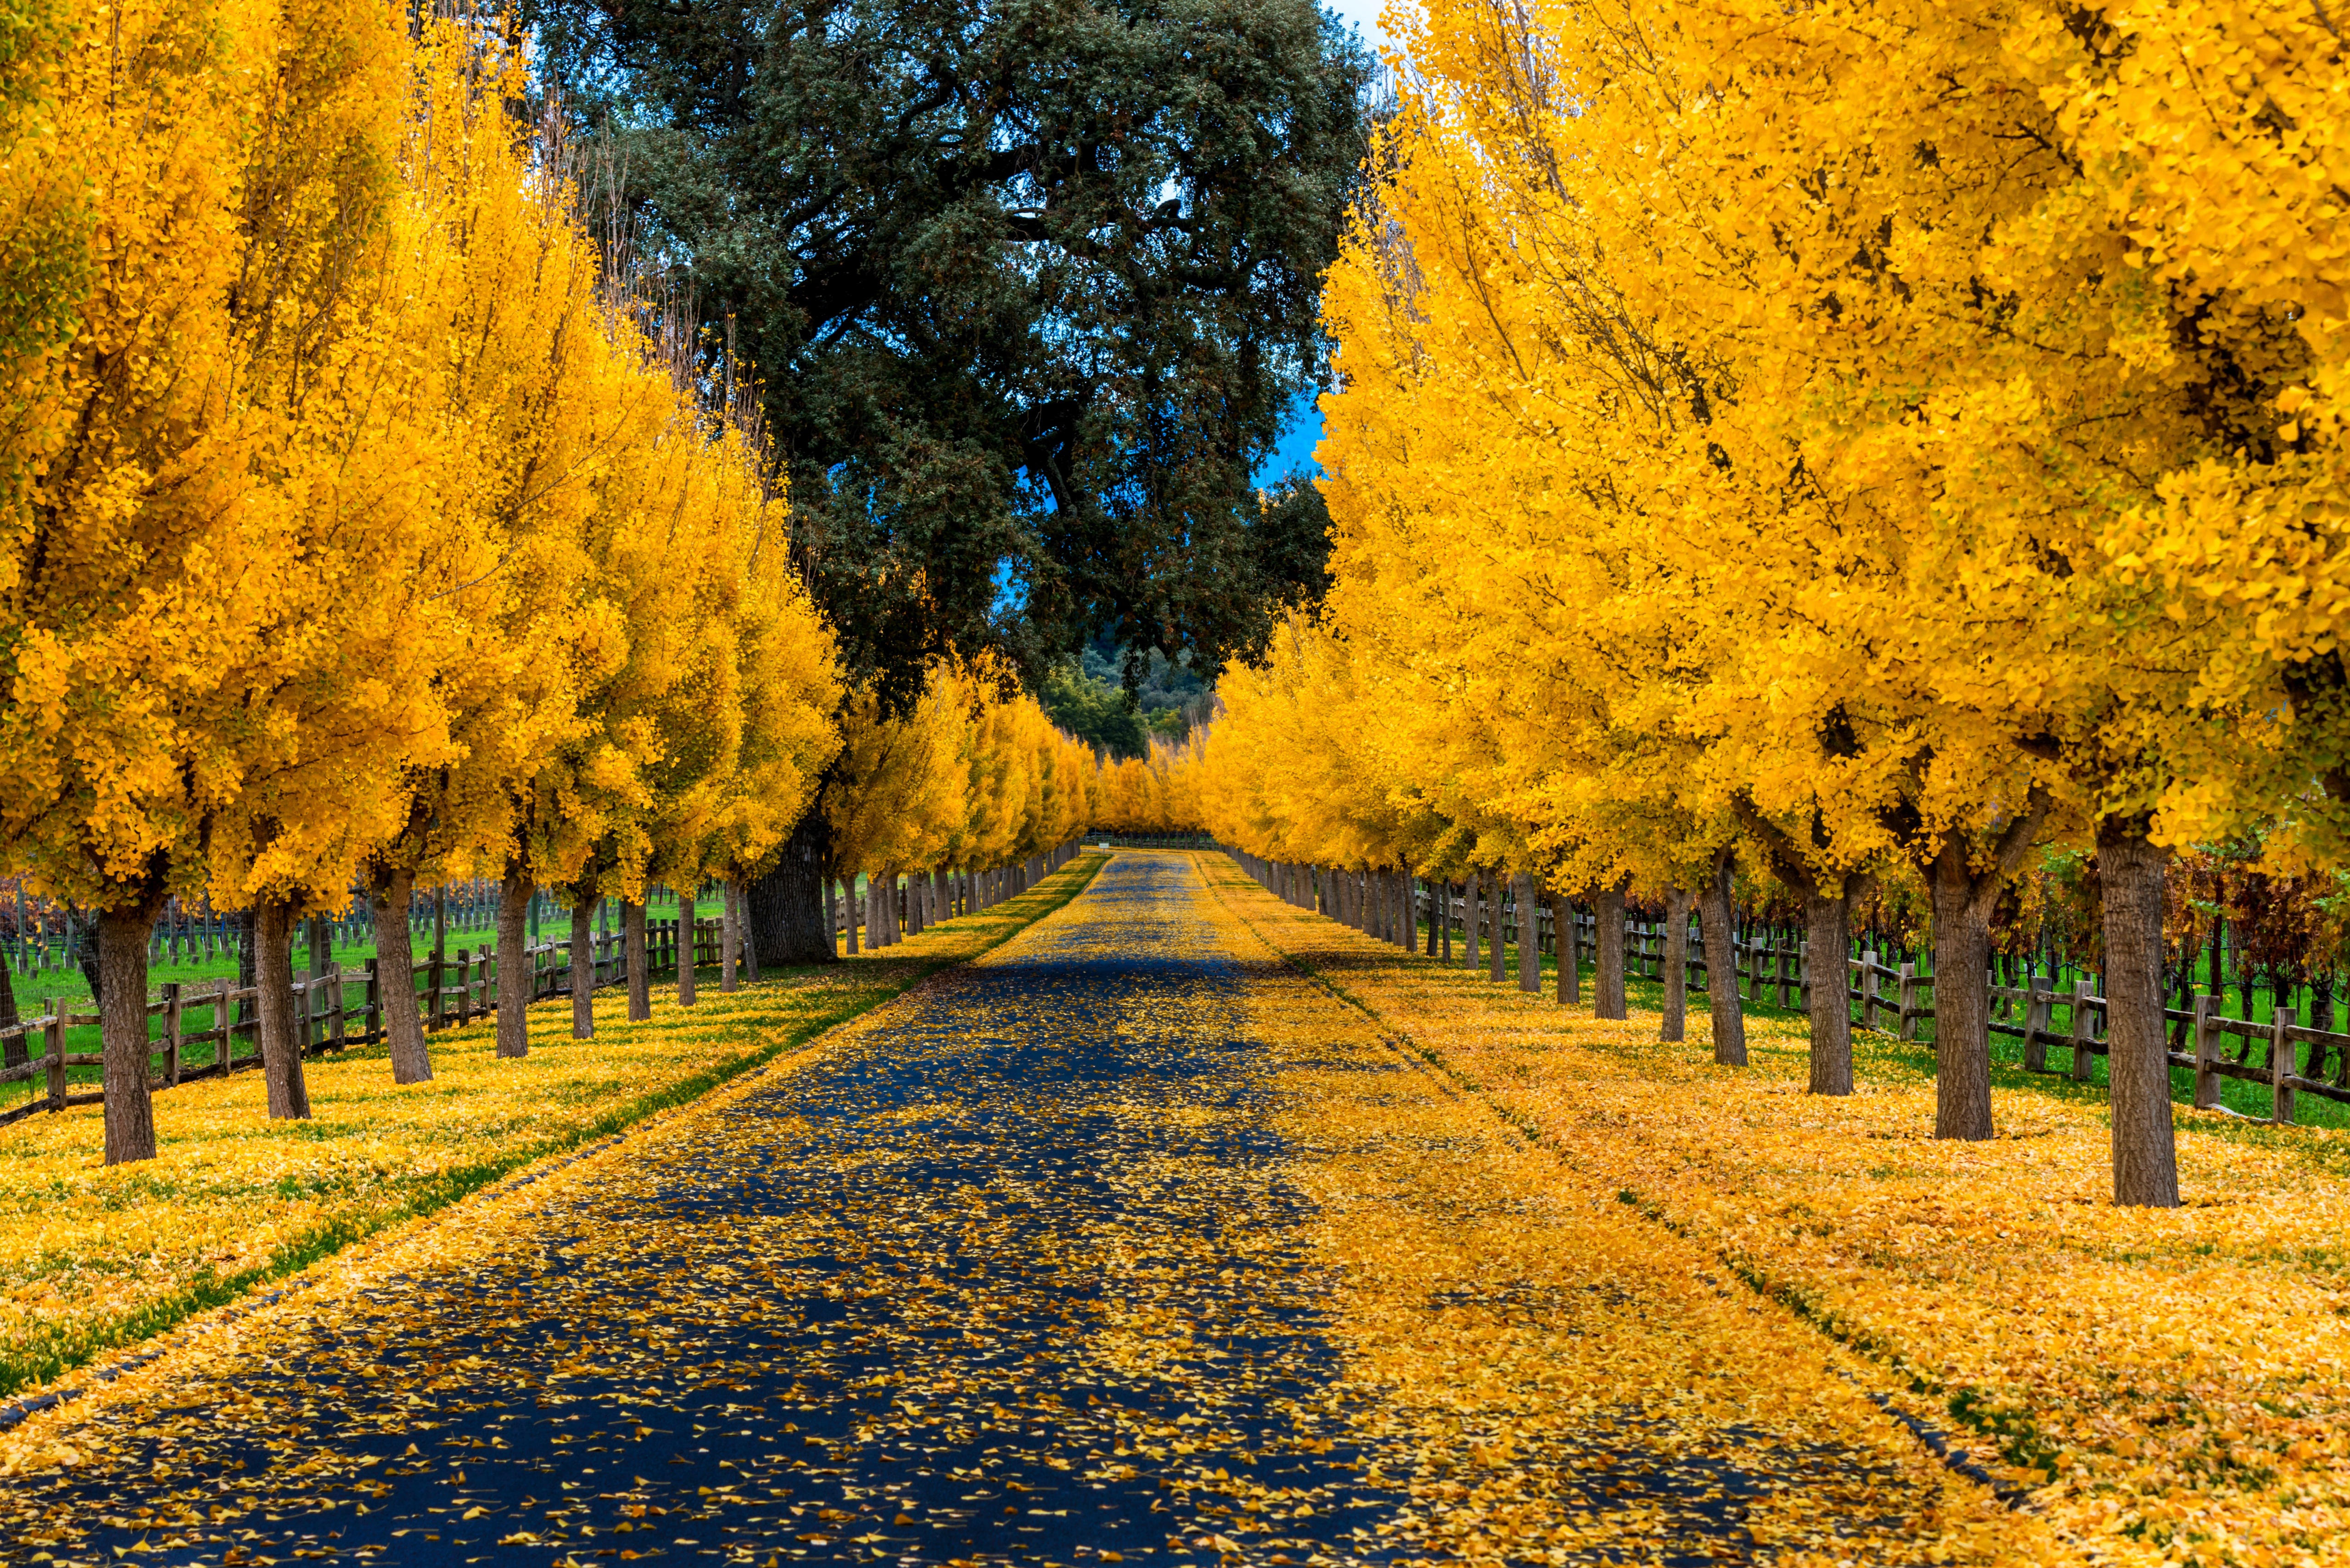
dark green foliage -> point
(1032, 287)
(1098, 712)
(1090, 697)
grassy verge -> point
(2008, 1071)
(92, 1258)
(2160, 1385)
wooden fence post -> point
(1905, 995)
(2083, 1034)
(2281, 1064)
(172, 1014)
(56, 1050)
(224, 1019)
(336, 1033)
(374, 1002)
(2207, 1051)
(2037, 1013)
(1868, 988)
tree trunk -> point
(1497, 962)
(1607, 936)
(1827, 938)
(848, 902)
(1562, 947)
(729, 931)
(391, 893)
(1713, 918)
(639, 966)
(1468, 933)
(583, 965)
(1677, 913)
(1529, 939)
(786, 903)
(281, 1044)
(515, 964)
(685, 913)
(2130, 870)
(122, 1031)
(1961, 995)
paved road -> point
(1010, 1274)
(1001, 1278)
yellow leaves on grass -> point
(2155, 1380)
(91, 1253)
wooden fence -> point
(339, 1009)
(2284, 1055)
(342, 1008)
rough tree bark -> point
(1828, 898)
(729, 932)
(1469, 922)
(632, 947)
(685, 912)
(1497, 926)
(583, 965)
(786, 903)
(392, 891)
(281, 1043)
(1529, 941)
(2130, 869)
(1713, 918)
(1607, 936)
(1561, 941)
(122, 1029)
(1963, 900)
(513, 960)
(1677, 912)
(1827, 938)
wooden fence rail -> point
(1896, 998)
(339, 1009)
(342, 1008)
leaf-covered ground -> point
(2158, 1386)
(93, 1256)
(1123, 1243)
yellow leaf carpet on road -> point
(2164, 1385)
(92, 1255)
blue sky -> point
(1297, 449)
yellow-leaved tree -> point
(233, 165)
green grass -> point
(2008, 1071)
(37, 993)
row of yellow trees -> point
(1843, 441)
(975, 777)
(363, 526)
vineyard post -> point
(172, 1015)
(2207, 1052)
(2281, 1064)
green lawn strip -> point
(2008, 1071)
(68, 988)
(58, 1348)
